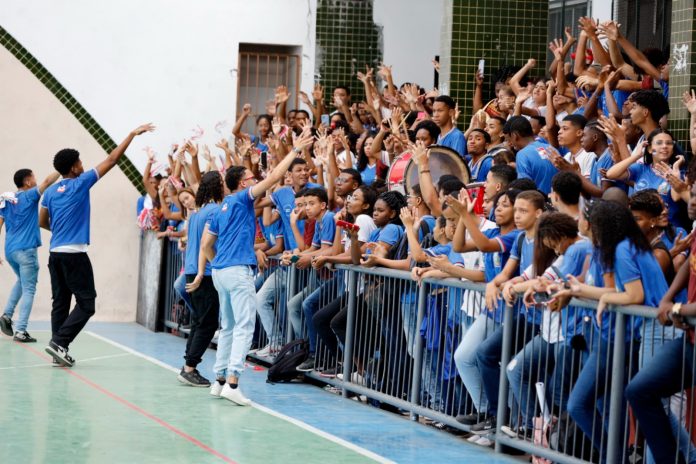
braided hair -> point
(209, 189)
(395, 201)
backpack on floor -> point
(284, 367)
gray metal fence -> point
(422, 348)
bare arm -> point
(111, 160)
(579, 64)
(50, 180)
(515, 80)
(44, 220)
(237, 129)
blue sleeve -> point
(485, 167)
(45, 198)
(213, 226)
(328, 229)
(507, 241)
(515, 251)
(316, 238)
(88, 179)
(635, 171)
(573, 261)
(140, 206)
(523, 164)
(625, 265)
(390, 234)
(455, 258)
(34, 195)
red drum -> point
(395, 177)
(442, 161)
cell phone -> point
(542, 297)
(564, 279)
(481, 65)
(294, 259)
(475, 193)
(348, 225)
(325, 119)
(421, 115)
(264, 160)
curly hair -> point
(555, 227)
(395, 201)
(647, 201)
(611, 223)
(209, 189)
(369, 198)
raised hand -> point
(407, 217)
(568, 32)
(689, 100)
(384, 71)
(613, 130)
(456, 114)
(281, 94)
(432, 93)
(206, 153)
(586, 82)
(276, 126)
(531, 63)
(150, 154)
(192, 149)
(609, 30)
(436, 65)
(149, 127)
(223, 144)
(589, 25)
(318, 92)
(304, 98)
(421, 154)
(271, 107)
(246, 109)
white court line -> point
(298, 423)
(97, 358)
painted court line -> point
(340, 441)
(135, 408)
(82, 361)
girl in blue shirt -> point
(660, 149)
(370, 164)
(264, 124)
(389, 226)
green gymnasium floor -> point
(116, 406)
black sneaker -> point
(6, 325)
(470, 419)
(60, 354)
(308, 365)
(24, 337)
(193, 378)
(329, 373)
(484, 427)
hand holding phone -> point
(348, 225)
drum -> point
(442, 161)
(395, 176)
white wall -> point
(601, 9)
(34, 125)
(171, 62)
(411, 37)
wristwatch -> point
(676, 308)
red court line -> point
(135, 408)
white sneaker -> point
(216, 389)
(264, 352)
(235, 395)
(355, 378)
(484, 441)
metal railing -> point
(421, 350)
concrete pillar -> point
(149, 280)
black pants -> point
(204, 319)
(322, 323)
(71, 274)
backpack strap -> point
(519, 243)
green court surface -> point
(117, 407)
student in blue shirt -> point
(533, 159)
(625, 256)
(264, 124)
(65, 211)
(480, 162)
(370, 164)
(443, 115)
(197, 271)
(284, 201)
(20, 214)
(660, 149)
(389, 227)
(234, 264)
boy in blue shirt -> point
(20, 213)
(234, 263)
(443, 116)
(533, 158)
(65, 211)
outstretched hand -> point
(149, 127)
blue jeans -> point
(660, 378)
(590, 395)
(265, 300)
(235, 287)
(465, 359)
(180, 290)
(25, 264)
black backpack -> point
(400, 248)
(284, 367)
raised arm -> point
(421, 157)
(47, 182)
(579, 65)
(279, 171)
(589, 25)
(111, 160)
(237, 129)
(515, 80)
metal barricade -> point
(176, 302)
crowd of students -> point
(586, 194)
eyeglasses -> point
(249, 178)
(669, 143)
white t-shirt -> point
(367, 226)
(585, 159)
(472, 301)
(341, 159)
(550, 320)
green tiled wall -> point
(503, 32)
(347, 40)
(72, 105)
(681, 79)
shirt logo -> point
(224, 207)
(663, 189)
(61, 189)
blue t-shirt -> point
(430, 220)
(324, 231)
(22, 221)
(272, 232)
(256, 141)
(573, 263)
(605, 162)
(369, 174)
(645, 178)
(68, 208)
(235, 226)
(196, 226)
(389, 234)
(533, 163)
(479, 170)
(284, 201)
(455, 140)
(620, 96)
(525, 256)
(140, 205)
